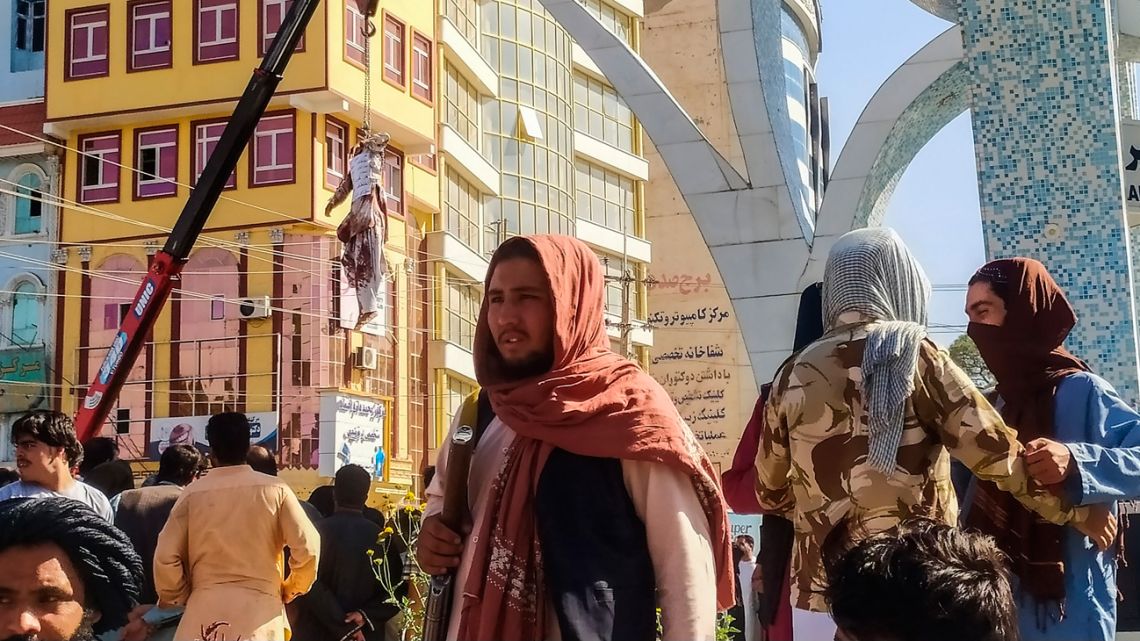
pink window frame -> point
(222, 49)
(155, 58)
(283, 174)
(97, 65)
(109, 158)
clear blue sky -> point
(935, 208)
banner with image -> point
(191, 430)
(352, 430)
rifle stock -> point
(441, 593)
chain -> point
(368, 30)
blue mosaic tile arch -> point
(1046, 143)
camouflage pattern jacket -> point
(812, 466)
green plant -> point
(405, 590)
(724, 627)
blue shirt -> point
(1103, 435)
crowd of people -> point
(209, 552)
(571, 501)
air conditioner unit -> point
(367, 358)
(251, 308)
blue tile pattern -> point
(944, 100)
(1049, 174)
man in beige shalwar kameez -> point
(221, 553)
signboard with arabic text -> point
(23, 375)
(352, 431)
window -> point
(465, 15)
(99, 171)
(273, 150)
(393, 50)
(114, 313)
(218, 307)
(463, 210)
(394, 180)
(216, 31)
(206, 137)
(26, 311)
(604, 198)
(336, 153)
(600, 113)
(462, 108)
(150, 35)
(421, 67)
(611, 268)
(462, 311)
(156, 158)
(28, 35)
(123, 420)
(619, 23)
(29, 25)
(424, 161)
(457, 391)
(272, 15)
(354, 38)
(87, 43)
(29, 208)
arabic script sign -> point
(352, 430)
(23, 373)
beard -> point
(532, 365)
(84, 632)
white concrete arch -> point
(945, 9)
(920, 98)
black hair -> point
(927, 581)
(97, 451)
(8, 476)
(50, 428)
(228, 436)
(429, 474)
(351, 486)
(179, 464)
(322, 498)
(102, 554)
(261, 460)
(999, 287)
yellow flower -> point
(388, 530)
(423, 507)
(411, 496)
(370, 553)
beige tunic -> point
(220, 555)
(676, 528)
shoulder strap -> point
(455, 501)
(486, 414)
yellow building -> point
(532, 139)
(140, 91)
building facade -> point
(699, 352)
(260, 321)
(28, 220)
(533, 139)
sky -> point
(935, 208)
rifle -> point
(441, 592)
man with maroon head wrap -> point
(1082, 443)
(592, 503)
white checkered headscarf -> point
(872, 272)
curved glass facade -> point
(527, 133)
(797, 75)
